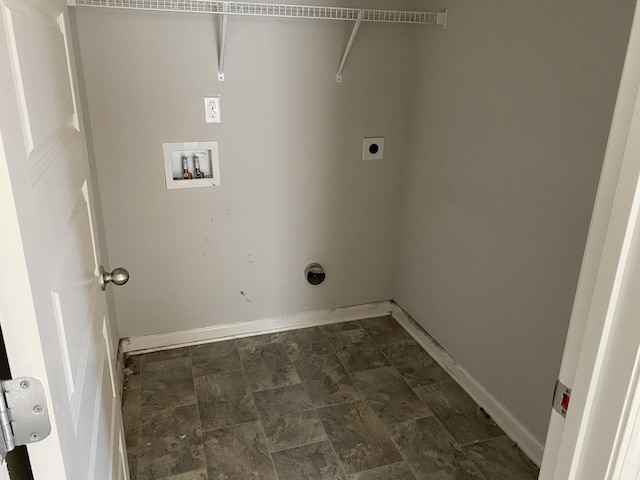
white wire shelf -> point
(224, 8)
(271, 10)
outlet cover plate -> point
(373, 148)
(212, 112)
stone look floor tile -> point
(359, 439)
(288, 417)
(131, 373)
(217, 357)
(326, 380)
(459, 414)
(170, 443)
(498, 459)
(166, 383)
(131, 400)
(416, 366)
(396, 471)
(132, 460)
(385, 330)
(431, 452)
(389, 395)
(320, 429)
(238, 453)
(164, 355)
(340, 327)
(306, 342)
(224, 399)
(257, 340)
(356, 349)
(183, 420)
(195, 475)
(310, 462)
(161, 457)
(268, 366)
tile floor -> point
(350, 401)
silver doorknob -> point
(119, 276)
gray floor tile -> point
(415, 365)
(171, 421)
(257, 340)
(224, 399)
(161, 457)
(459, 414)
(167, 383)
(194, 475)
(326, 380)
(131, 373)
(385, 330)
(164, 355)
(322, 428)
(131, 400)
(431, 451)
(288, 417)
(268, 366)
(311, 462)
(396, 471)
(499, 459)
(306, 342)
(389, 395)
(260, 355)
(132, 460)
(357, 436)
(340, 327)
(356, 350)
(170, 444)
(272, 376)
(238, 453)
(218, 357)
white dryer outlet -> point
(373, 148)
(212, 110)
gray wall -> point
(475, 222)
(508, 124)
(294, 188)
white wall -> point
(508, 124)
(294, 188)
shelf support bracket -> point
(223, 41)
(349, 45)
(441, 18)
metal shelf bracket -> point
(441, 18)
(223, 41)
(349, 45)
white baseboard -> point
(162, 341)
(498, 412)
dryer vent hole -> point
(314, 273)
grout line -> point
(315, 410)
(364, 398)
(255, 407)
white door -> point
(52, 310)
(600, 361)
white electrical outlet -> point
(373, 148)
(212, 110)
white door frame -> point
(600, 361)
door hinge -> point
(24, 417)
(561, 397)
